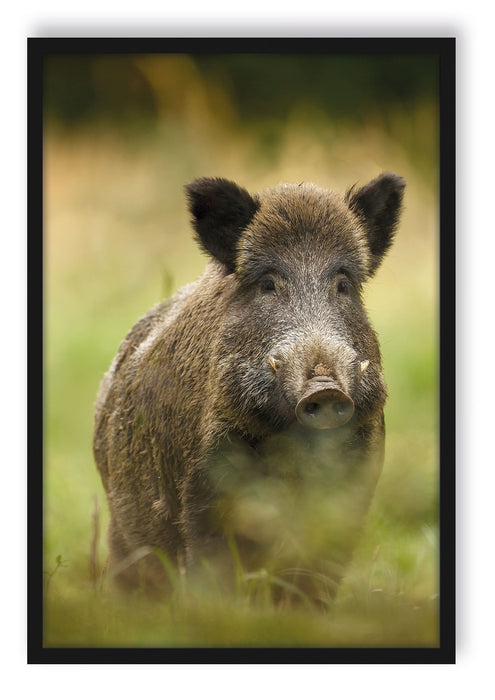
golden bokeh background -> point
(122, 135)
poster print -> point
(363, 132)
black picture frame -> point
(37, 51)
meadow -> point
(117, 240)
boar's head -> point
(295, 341)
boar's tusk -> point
(273, 364)
(364, 364)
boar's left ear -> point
(378, 204)
(221, 211)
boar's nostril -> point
(311, 407)
(340, 408)
(324, 408)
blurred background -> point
(122, 135)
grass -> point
(117, 240)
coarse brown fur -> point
(196, 437)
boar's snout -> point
(324, 405)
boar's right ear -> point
(221, 211)
(378, 204)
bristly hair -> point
(378, 205)
(221, 210)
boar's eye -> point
(343, 286)
(267, 285)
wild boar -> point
(247, 410)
